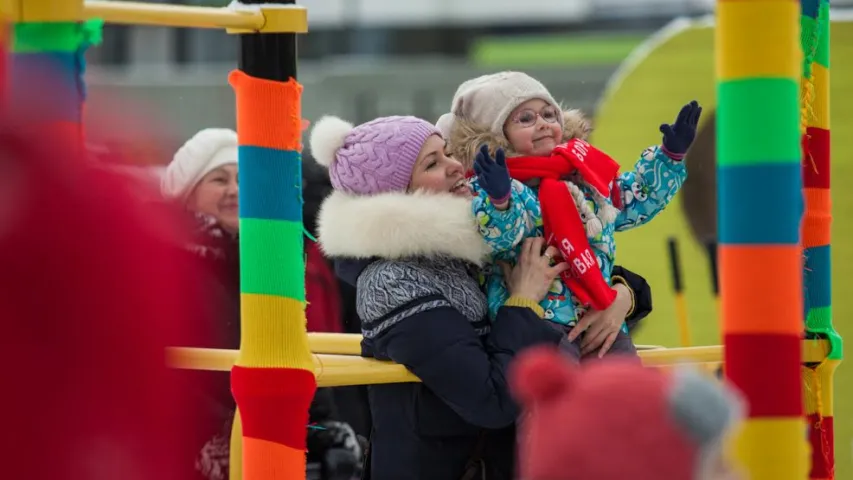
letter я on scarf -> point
(563, 225)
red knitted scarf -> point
(564, 228)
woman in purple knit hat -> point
(400, 228)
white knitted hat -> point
(488, 100)
(206, 151)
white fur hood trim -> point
(400, 225)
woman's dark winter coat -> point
(411, 258)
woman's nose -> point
(455, 168)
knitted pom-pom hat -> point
(488, 100)
(374, 157)
(617, 420)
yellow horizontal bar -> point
(711, 368)
(671, 356)
(335, 343)
(340, 370)
(350, 343)
(331, 370)
(293, 19)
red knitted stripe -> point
(274, 403)
(766, 368)
(821, 434)
(816, 170)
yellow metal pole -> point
(680, 298)
(293, 19)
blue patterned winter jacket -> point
(645, 192)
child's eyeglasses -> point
(527, 118)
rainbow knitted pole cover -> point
(5, 19)
(273, 379)
(48, 44)
(816, 232)
(760, 207)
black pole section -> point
(675, 264)
(269, 56)
(711, 248)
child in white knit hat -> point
(536, 175)
(203, 176)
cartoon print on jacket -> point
(645, 191)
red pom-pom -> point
(540, 374)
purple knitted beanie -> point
(374, 157)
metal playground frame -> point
(779, 345)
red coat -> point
(323, 311)
(92, 289)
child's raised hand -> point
(493, 175)
(678, 136)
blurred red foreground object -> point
(92, 289)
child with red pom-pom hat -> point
(617, 420)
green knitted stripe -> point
(822, 53)
(809, 35)
(272, 258)
(56, 37)
(758, 121)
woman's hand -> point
(532, 276)
(602, 326)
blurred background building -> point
(365, 58)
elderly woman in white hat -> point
(203, 176)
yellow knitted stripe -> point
(273, 333)
(773, 448)
(819, 105)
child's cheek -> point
(522, 145)
(558, 133)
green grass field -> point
(680, 70)
(553, 50)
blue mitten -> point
(493, 175)
(678, 136)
